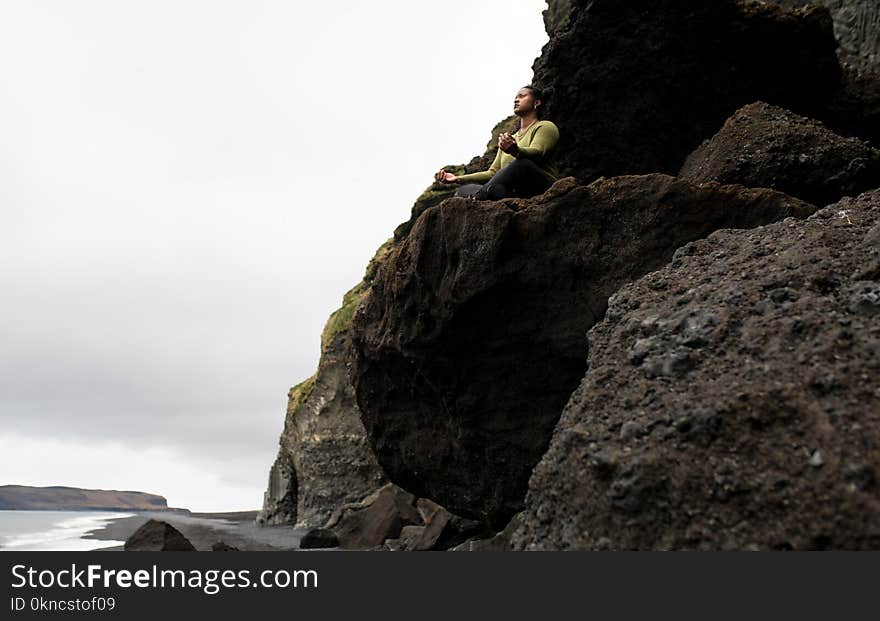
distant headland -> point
(58, 498)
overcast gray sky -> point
(188, 188)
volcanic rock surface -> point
(636, 86)
(557, 15)
(473, 335)
(440, 530)
(319, 538)
(280, 497)
(158, 536)
(378, 517)
(769, 147)
(324, 460)
(856, 27)
(855, 109)
(732, 400)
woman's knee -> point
(468, 190)
(495, 192)
(522, 178)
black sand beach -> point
(205, 529)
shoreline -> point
(203, 530)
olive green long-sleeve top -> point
(536, 143)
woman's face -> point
(523, 102)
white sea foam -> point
(53, 530)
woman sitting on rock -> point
(524, 165)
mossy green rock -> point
(324, 460)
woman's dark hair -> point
(537, 93)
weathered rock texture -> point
(732, 400)
(280, 498)
(440, 530)
(636, 86)
(319, 538)
(855, 109)
(379, 517)
(769, 147)
(325, 460)
(473, 335)
(856, 26)
(158, 536)
(557, 15)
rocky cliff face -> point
(856, 27)
(732, 400)
(472, 336)
(280, 497)
(324, 460)
(469, 344)
(636, 86)
(468, 335)
(557, 16)
(855, 107)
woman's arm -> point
(485, 175)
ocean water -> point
(54, 530)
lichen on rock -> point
(324, 459)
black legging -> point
(520, 179)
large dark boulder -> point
(766, 146)
(472, 337)
(441, 530)
(158, 536)
(319, 538)
(378, 517)
(731, 400)
(637, 85)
